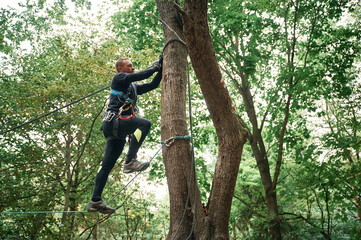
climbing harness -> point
(120, 94)
(108, 116)
(127, 106)
(128, 103)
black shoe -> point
(135, 166)
(100, 207)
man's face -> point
(127, 67)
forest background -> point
(55, 52)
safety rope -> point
(43, 212)
(168, 142)
(164, 143)
(170, 41)
(56, 110)
(193, 169)
(171, 29)
(136, 175)
(192, 166)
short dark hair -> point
(119, 62)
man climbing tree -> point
(119, 121)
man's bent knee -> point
(147, 124)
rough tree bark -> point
(231, 136)
(177, 157)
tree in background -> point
(273, 58)
(293, 61)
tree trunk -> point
(177, 157)
(231, 136)
(260, 154)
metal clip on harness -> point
(108, 116)
(126, 106)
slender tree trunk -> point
(260, 154)
(67, 157)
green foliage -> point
(296, 49)
(55, 159)
(248, 215)
(139, 25)
(52, 162)
(48, 157)
(138, 215)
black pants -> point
(138, 128)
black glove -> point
(161, 60)
(156, 64)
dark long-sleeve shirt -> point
(121, 82)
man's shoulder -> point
(120, 75)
